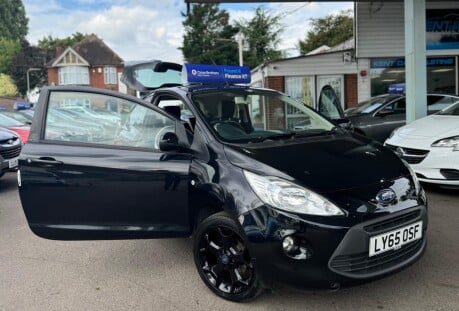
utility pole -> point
(240, 44)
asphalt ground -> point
(39, 274)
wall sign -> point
(400, 62)
(442, 28)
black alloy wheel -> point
(222, 259)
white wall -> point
(381, 28)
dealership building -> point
(376, 58)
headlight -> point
(287, 196)
(451, 142)
(417, 184)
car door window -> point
(328, 105)
(104, 119)
(395, 107)
(438, 102)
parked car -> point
(379, 116)
(431, 146)
(13, 125)
(18, 115)
(316, 206)
(10, 148)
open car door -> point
(329, 105)
(107, 181)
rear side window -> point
(438, 102)
(102, 119)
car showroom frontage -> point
(376, 59)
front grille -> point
(392, 223)
(11, 153)
(361, 264)
(450, 174)
(410, 155)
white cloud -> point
(144, 29)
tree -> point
(50, 43)
(14, 22)
(8, 49)
(209, 38)
(262, 33)
(13, 28)
(7, 86)
(29, 57)
(329, 30)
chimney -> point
(59, 50)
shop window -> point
(441, 75)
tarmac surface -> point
(39, 274)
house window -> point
(110, 75)
(73, 75)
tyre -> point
(223, 260)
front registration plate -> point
(13, 163)
(395, 239)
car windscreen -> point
(250, 115)
(370, 105)
(451, 110)
(9, 122)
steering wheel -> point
(229, 128)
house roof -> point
(94, 51)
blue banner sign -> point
(214, 74)
(398, 88)
(400, 62)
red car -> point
(18, 127)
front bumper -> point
(337, 254)
(438, 166)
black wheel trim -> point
(224, 261)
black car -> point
(380, 115)
(10, 148)
(263, 201)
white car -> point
(431, 146)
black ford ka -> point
(270, 190)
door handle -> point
(45, 160)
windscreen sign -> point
(442, 28)
(214, 74)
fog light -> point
(289, 244)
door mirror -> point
(329, 104)
(344, 123)
(170, 142)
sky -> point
(146, 29)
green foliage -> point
(262, 33)
(208, 36)
(8, 49)
(13, 21)
(29, 57)
(7, 86)
(50, 43)
(329, 30)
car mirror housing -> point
(177, 141)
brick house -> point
(89, 62)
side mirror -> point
(344, 123)
(170, 142)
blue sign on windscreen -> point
(215, 74)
